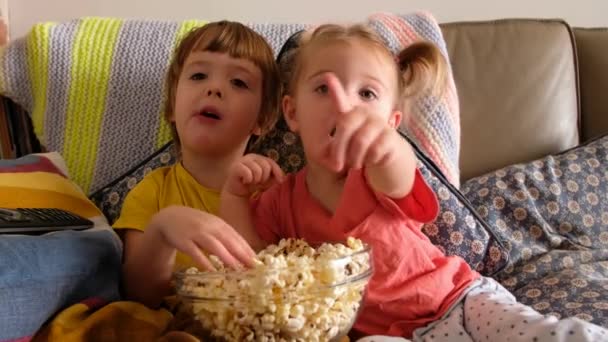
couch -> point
(530, 90)
(530, 164)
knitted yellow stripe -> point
(37, 62)
(164, 131)
(90, 74)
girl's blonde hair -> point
(239, 41)
(420, 67)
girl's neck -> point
(209, 171)
(325, 186)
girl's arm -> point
(236, 211)
(250, 174)
(395, 176)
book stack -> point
(17, 136)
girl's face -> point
(369, 79)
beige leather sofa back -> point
(518, 87)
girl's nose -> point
(214, 92)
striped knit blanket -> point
(94, 89)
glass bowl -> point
(302, 295)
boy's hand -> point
(252, 173)
(194, 233)
(360, 138)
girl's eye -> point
(239, 83)
(367, 94)
(198, 76)
(322, 89)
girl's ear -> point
(395, 119)
(289, 112)
(257, 130)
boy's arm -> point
(147, 268)
(147, 261)
(150, 256)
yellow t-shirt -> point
(165, 186)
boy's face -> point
(369, 80)
(217, 102)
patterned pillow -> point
(110, 198)
(552, 214)
(459, 229)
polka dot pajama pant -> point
(489, 312)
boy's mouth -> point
(211, 113)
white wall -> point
(24, 13)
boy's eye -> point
(239, 83)
(198, 76)
(322, 89)
(367, 94)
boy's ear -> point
(289, 112)
(395, 119)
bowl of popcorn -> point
(295, 292)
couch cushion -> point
(552, 214)
(517, 82)
(592, 46)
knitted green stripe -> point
(91, 56)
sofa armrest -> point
(592, 47)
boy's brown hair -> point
(239, 41)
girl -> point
(345, 98)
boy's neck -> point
(325, 186)
(208, 171)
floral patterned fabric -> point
(552, 215)
(458, 230)
(110, 198)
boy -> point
(223, 86)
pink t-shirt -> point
(413, 283)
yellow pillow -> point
(42, 181)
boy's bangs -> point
(235, 41)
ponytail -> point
(423, 69)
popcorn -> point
(294, 293)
